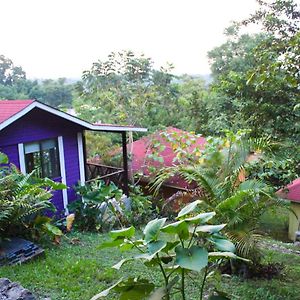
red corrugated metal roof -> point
(9, 108)
(140, 150)
(291, 191)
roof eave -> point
(117, 128)
(68, 117)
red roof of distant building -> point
(9, 108)
(291, 191)
(141, 148)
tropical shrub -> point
(142, 209)
(180, 250)
(278, 170)
(98, 206)
(23, 201)
(223, 184)
(101, 207)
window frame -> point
(58, 164)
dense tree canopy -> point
(125, 89)
(14, 85)
(258, 76)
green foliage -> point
(102, 207)
(79, 270)
(56, 93)
(123, 87)
(98, 207)
(222, 176)
(176, 248)
(257, 76)
(126, 89)
(280, 20)
(141, 207)
(23, 200)
(14, 85)
(276, 171)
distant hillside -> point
(206, 77)
(68, 80)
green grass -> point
(79, 271)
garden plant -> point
(24, 200)
(190, 245)
(224, 184)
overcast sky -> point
(61, 38)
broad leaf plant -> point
(192, 243)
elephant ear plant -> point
(178, 249)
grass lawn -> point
(79, 271)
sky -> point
(62, 38)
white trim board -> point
(68, 117)
(81, 158)
(63, 172)
(22, 158)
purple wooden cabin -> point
(38, 137)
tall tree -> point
(9, 73)
(126, 89)
(260, 80)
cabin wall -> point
(39, 125)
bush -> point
(181, 250)
(101, 207)
(23, 201)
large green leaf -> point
(152, 229)
(188, 209)
(134, 289)
(118, 265)
(111, 244)
(124, 232)
(127, 245)
(223, 244)
(131, 289)
(209, 228)
(52, 230)
(3, 158)
(232, 202)
(180, 228)
(194, 258)
(106, 292)
(156, 246)
(218, 255)
(203, 217)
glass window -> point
(43, 157)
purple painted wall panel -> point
(12, 152)
(39, 125)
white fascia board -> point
(62, 114)
(68, 117)
(117, 128)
